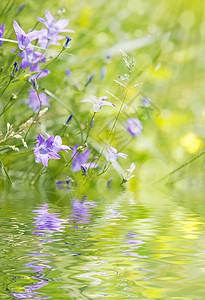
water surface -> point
(143, 245)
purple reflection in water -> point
(131, 240)
(81, 211)
(38, 268)
(30, 290)
(29, 296)
(46, 221)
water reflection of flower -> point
(29, 296)
(47, 222)
(134, 243)
(81, 211)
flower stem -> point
(90, 125)
(38, 175)
(35, 116)
(181, 167)
(5, 171)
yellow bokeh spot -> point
(191, 142)
(131, 92)
(85, 16)
(159, 73)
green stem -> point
(5, 171)
(5, 7)
(38, 175)
(121, 106)
(50, 62)
(35, 116)
(181, 167)
(90, 125)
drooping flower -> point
(2, 28)
(33, 101)
(30, 57)
(80, 160)
(113, 155)
(50, 36)
(97, 102)
(134, 126)
(24, 39)
(47, 149)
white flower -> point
(97, 102)
(127, 173)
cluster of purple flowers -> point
(47, 149)
(31, 58)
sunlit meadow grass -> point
(146, 50)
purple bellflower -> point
(113, 155)
(33, 101)
(146, 102)
(30, 57)
(41, 72)
(57, 145)
(97, 102)
(134, 126)
(2, 28)
(47, 149)
(80, 160)
(24, 39)
(68, 72)
(50, 36)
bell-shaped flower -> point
(134, 126)
(41, 72)
(50, 36)
(43, 151)
(128, 173)
(80, 160)
(30, 57)
(113, 155)
(24, 39)
(34, 102)
(57, 145)
(47, 149)
(97, 102)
